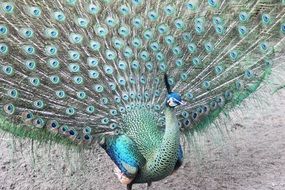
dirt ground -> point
(252, 156)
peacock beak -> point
(179, 102)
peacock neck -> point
(172, 131)
(166, 155)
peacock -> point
(135, 77)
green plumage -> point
(158, 148)
(81, 72)
(141, 126)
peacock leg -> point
(148, 186)
(129, 186)
(121, 176)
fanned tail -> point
(70, 70)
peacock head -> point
(174, 99)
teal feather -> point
(86, 72)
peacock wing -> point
(125, 154)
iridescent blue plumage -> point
(124, 152)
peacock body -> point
(134, 76)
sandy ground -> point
(251, 157)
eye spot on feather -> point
(55, 79)
(72, 133)
(74, 55)
(59, 16)
(242, 31)
(82, 22)
(4, 49)
(122, 109)
(213, 105)
(8, 7)
(249, 74)
(124, 31)
(81, 95)
(27, 117)
(152, 15)
(26, 33)
(87, 139)
(70, 111)
(39, 122)
(105, 121)
(244, 16)
(94, 45)
(64, 129)
(75, 38)
(13, 93)
(206, 84)
(199, 28)
(34, 12)
(124, 10)
(60, 94)
(264, 47)
(35, 81)
(221, 101)
(9, 109)
(78, 80)
(39, 104)
(8, 70)
(186, 122)
(233, 55)
(104, 100)
(93, 9)
(266, 19)
(144, 55)
(228, 95)
(53, 63)
(4, 31)
(184, 76)
(90, 109)
(194, 116)
(180, 24)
